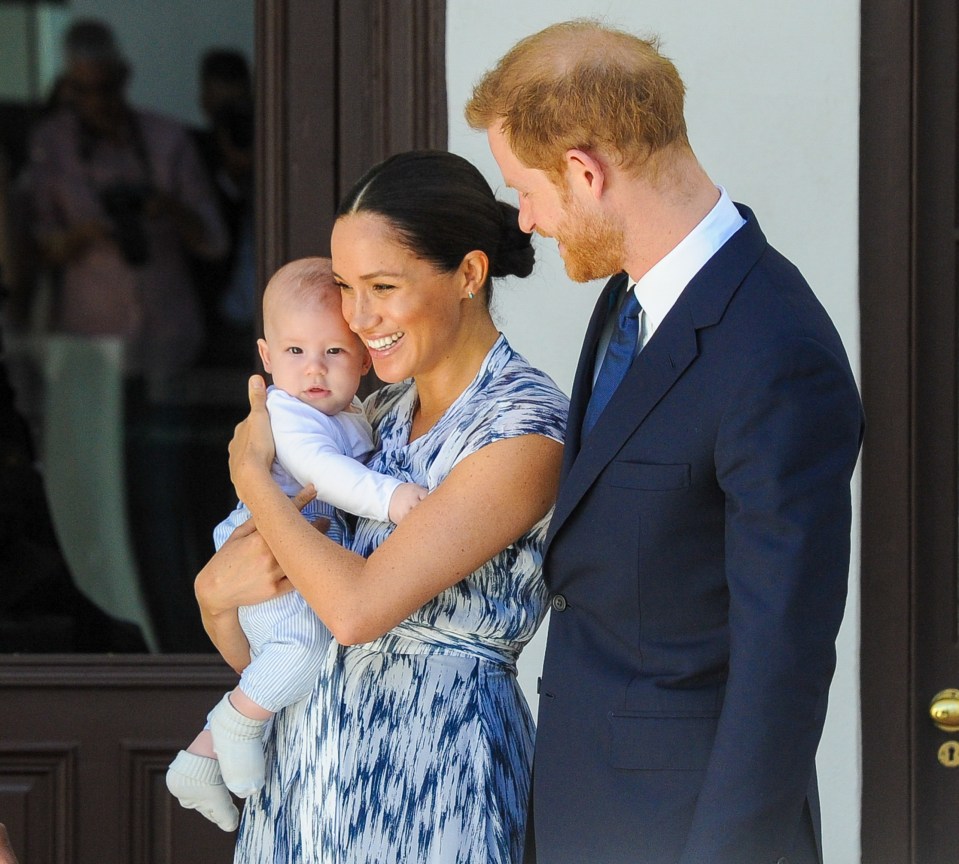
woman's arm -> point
(242, 572)
(488, 501)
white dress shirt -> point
(661, 286)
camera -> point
(124, 204)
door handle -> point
(944, 710)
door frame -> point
(313, 143)
(887, 298)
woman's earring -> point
(471, 295)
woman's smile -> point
(382, 343)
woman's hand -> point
(252, 450)
(243, 572)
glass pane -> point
(126, 245)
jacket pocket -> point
(647, 476)
(662, 742)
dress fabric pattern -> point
(417, 747)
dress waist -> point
(410, 638)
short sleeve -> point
(521, 401)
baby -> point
(321, 434)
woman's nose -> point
(358, 312)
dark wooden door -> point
(910, 331)
(85, 739)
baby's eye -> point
(334, 350)
(293, 349)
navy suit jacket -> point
(697, 560)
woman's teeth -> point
(385, 342)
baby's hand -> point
(405, 497)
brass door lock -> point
(944, 710)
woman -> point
(416, 743)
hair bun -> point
(515, 255)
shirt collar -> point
(660, 287)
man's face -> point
(590, 243)
(219, 93)
(95, 91)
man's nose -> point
(526, 221)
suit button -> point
(559, 602)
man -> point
(699, 550)
(120, 203)
(120, 200)
(225, 144)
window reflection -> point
(126, 246)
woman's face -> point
(407, 313)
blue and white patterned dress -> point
(417, 747)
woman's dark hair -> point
(441, 208)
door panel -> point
(84, 749)
(910, 568)
(936, 439)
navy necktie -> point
(618, 359)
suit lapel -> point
(658, 366)
(670, 351)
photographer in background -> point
(228, 285)
(120, 203)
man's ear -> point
(264, 350)
(585, 168)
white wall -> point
(772, 109)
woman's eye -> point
(343, 287)
(381, 288)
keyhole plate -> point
(949, 754)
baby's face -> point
(313, 355)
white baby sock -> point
(196, 783)
(238, 744)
